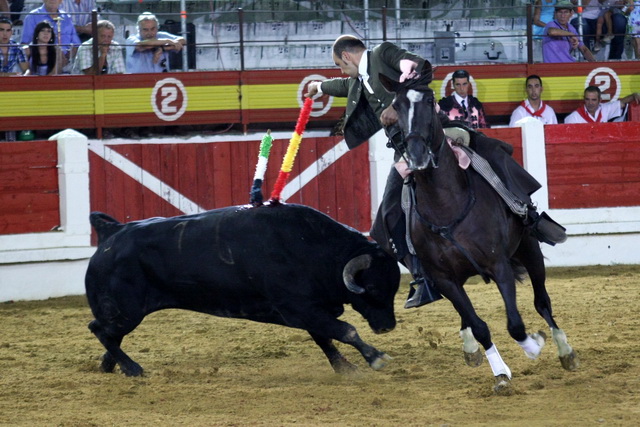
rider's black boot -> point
(545, 229)
(424, 292)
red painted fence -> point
(220, 174)
(589, 166)
(29, 200)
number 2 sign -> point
(169, 99)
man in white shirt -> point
(593, 111)
(533, 106)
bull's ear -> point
(389, 84)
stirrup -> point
(424, 293)
(548, 231)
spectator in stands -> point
(590, 14)
(460, 105)
(634, 26)
(561, 38)
(110, 57)
(60, 21)
(622, 7)
(533, 106)
(80, 11)
(4, 9)
(542, 13)
(593, 111)
(13, 62)
(368, 110)
(44, 56)
(16, 10)
(147, 50)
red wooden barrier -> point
(220, 174)
(28, 187)
(593, 165)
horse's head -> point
(417, 119)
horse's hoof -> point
(473, 359)
(380, 362)
(503, 386)
(570, 361)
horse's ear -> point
(427, 69)
(388, 83)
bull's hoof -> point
(108, 363)
(503, 386)
(343, 367)
(132, 370)
(473, 359)
(380, 362)
(570, 361)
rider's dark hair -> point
(347, 43)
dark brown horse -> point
(460, 227)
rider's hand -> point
(389, 116)
(408, 68)
(313, 89)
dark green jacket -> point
(362, 116)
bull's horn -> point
(351, 269)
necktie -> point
(464, 110)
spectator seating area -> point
(298, 34)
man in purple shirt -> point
(560, 37)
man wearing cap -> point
(461, 106)
(593, 111)
(561, 38)
(533, 106)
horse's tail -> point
(519, 271)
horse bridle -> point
(445, 231)
(432, 157)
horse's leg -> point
(531, 343)
(471, 349)
(531, 257)
(474, 326)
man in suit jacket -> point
(368, 110)
(460, 105)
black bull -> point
(284, 264)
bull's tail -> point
(104, 225)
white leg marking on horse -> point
(497, 364)
(413, 96)
(532, 346)
(560, 339)
(469, 343)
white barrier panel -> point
(52, 264)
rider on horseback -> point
(369, 108)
